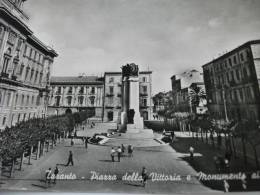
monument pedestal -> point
(131, 119)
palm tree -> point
(196, 95)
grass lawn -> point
(205, 164)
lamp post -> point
(225, 103)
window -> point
(230, 62)
(27, 100)
(235, 59)
(38, 100)
(92, 90)
(5, 63)
(18, 118)
(70, 90)
(241, 56)
(111, 79)
(22, 100)
(4, 120)
(227, 75)
(32, 71)
(0, 97)
(237, 74)
(92, 100)
(8, 99)
(32, 100)
(16, 99)
(27, 72)
(57, 101)
(21, 69)
(80, 100)
(81, 91)
(111, 90)
(241, 94)
(144, 102)
(69, 100)
(36, 76)
(144, 89)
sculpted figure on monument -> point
(130, 70)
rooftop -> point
(233, 50)
(79, 80)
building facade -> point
(25, 67)
(73, 94)
(232, 83)
(182, 85)
(113, 93)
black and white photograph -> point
(130, 96)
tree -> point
(196, 95)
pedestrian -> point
(130, 151)
(70, 159)
(56, 171)
(48, 176)
(112, 154)
(71, 142)
(172, 135)
(119, 151)
(123, 148)
(226, 186)
(144, 176)
(191, 152)
(86, 143)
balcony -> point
(144, 94)
(109, 107)
(109, 95)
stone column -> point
(125, 101)
(134, 102)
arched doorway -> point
(68, 111)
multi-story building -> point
(182, 85)
(25, 67)
(72, 94)
(112, 100)
(232, 83)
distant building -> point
(73, 94)
(112, 100)
(25, 67)
(160, 99)
(232, 83)
(181, 87)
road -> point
(160, 159)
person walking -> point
(123, 148)
(70, 159)
(56, 171)
(144, 176)
(48, 176)
(86, 143)
(119, 151)
(112, 154)
(191, 152)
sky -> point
(167, 37)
